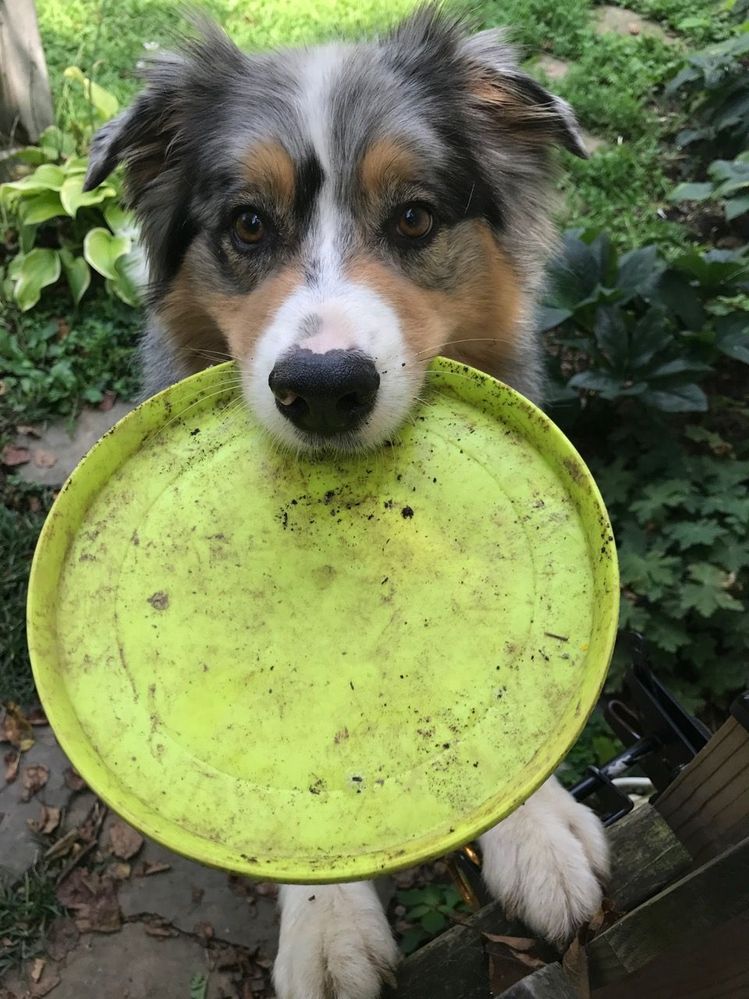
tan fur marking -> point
(483, 311)
(384, 162)
(269, 166)
(531, 123)
(202, 323)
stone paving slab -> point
(622, 21)
(19, 848)
(56, 441)
(188, 895)
(126, 965)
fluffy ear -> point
(141, 134)
(181, 89)
(513, 101)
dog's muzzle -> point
(326, 394)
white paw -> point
(545, 862)
(335, 943)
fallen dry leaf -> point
(15, 727)
(108, 401)
(73, 780)
(37, 968)
(48, 821)
(28, 430)
(575, 967)
(11, 760)
(124, 841)
(118, 871)
(510, 960)
(34, 778)
(62, 846)
(37, 717)
(12, 455)
(43, 458)
(93, 900)
(62, 936)
(160, 928)
(155, 867)
(204, 930)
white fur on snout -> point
(346, 316)
(544, 862)
(335, 943)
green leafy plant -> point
(679, 503)
(429, 910)
(54, 228)
(26, 910)
(633, 327)
(716, 83)
(729, 184)
(52, 364)
(198, 986)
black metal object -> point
(660, 736)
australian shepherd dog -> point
(331, 218)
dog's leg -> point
(335, 943)
(544, 862)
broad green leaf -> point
(574, 276)
(31, 155)
(120, 221)
(105, 104)
(45, 178)
(679, 366)
(692, 192)
(198, 987)
(74, 197)
(651, 334)
(687, 534)
(736, 206)
(78, 274)
(732, 336)
(548, 318)
(76, 164)
(40, 208)
(639, 271)
(39, 268)
(675, 292)
(596, 381)
(611, 336)
(26, 237)
(102, 250)
(433, 922)
(714, 269)
(677, 399)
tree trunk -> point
(25, 99)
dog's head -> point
(334, 217)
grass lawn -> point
(611, 83)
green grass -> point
(26, 910)
(611, 84)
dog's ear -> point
(141, 134)
(510, 100)
(182, 90)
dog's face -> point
(334, 217)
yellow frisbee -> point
(317, 669)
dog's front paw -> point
(335, 943)
(546, 861)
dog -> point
(333, 217)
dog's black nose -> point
(325, 393)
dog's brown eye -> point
(415, 222)
(249, 227)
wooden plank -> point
(645, 856)
(25, 99)
(697, 904)
(707, 805)
(546, 983)
(715, 967)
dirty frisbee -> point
(320, 669)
